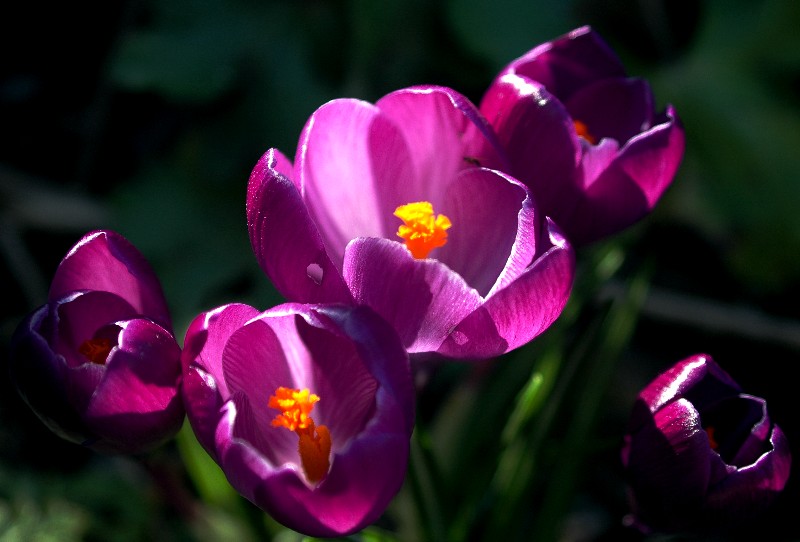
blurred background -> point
(146, 117)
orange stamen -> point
(710, 430)
(96, 350)
(314, 444)
(422, 230)
(583, 131)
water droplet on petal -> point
(315, 273)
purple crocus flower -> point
(700, 454)
(307, 409)
(98, 363)
(394, 206)
(583, 136)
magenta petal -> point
(569, 62)
(630, 186)
(519, 312)
(137, 405)
(39, 374)
(355, 493)
(105, 261)
(254, 365)
(444, 132)
(284, 238)
(652, 158)
(204, 386)
(207, 336)
(619, 108)
(750, 489)
(539, 138)
(355, 169)
(380, 346)
(668, 464)
(484, 207)
(80, 316)
(421, 299)
(341, 380)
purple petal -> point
(255, 367)
(204, 386)
(355, 169)
(483, 206)
(748, 491)
(444, 133)
(106, 261)
(80, 316)
(341, 380)
(421, 299)
(651, 158)
(39, 375)
(137, 406)
(539, 138)
(617, 108)
(569, 62)
(668, 465)
(208, 336)
(284, 238)
(699, 373)
(381, 350)
(517, 313)
(203, 403)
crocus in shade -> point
(701, 455)
(395, 206)
(583, 136)
(98, 363)
(307, 409)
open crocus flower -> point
(98, 363)
(307, 409)
(583, 136)
(700, 454)
(394, 206)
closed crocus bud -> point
(583, 136)
(307, 409)
(701, 456)
(98, 363)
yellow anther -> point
(314, 445)
(421, 229)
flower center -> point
(96, 350)
(314, 445)
(583, 131)
(421, 230)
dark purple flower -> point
(393, 205)
(307, 409)
(98, 363)
(700, 454)
(583, 136)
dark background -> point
(147, 117)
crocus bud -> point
(701, 455)
(583, 136)
(308, 409)
(98, 363)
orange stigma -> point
(583, 131)
(96, 350)
(421, 230)
(315, 441)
